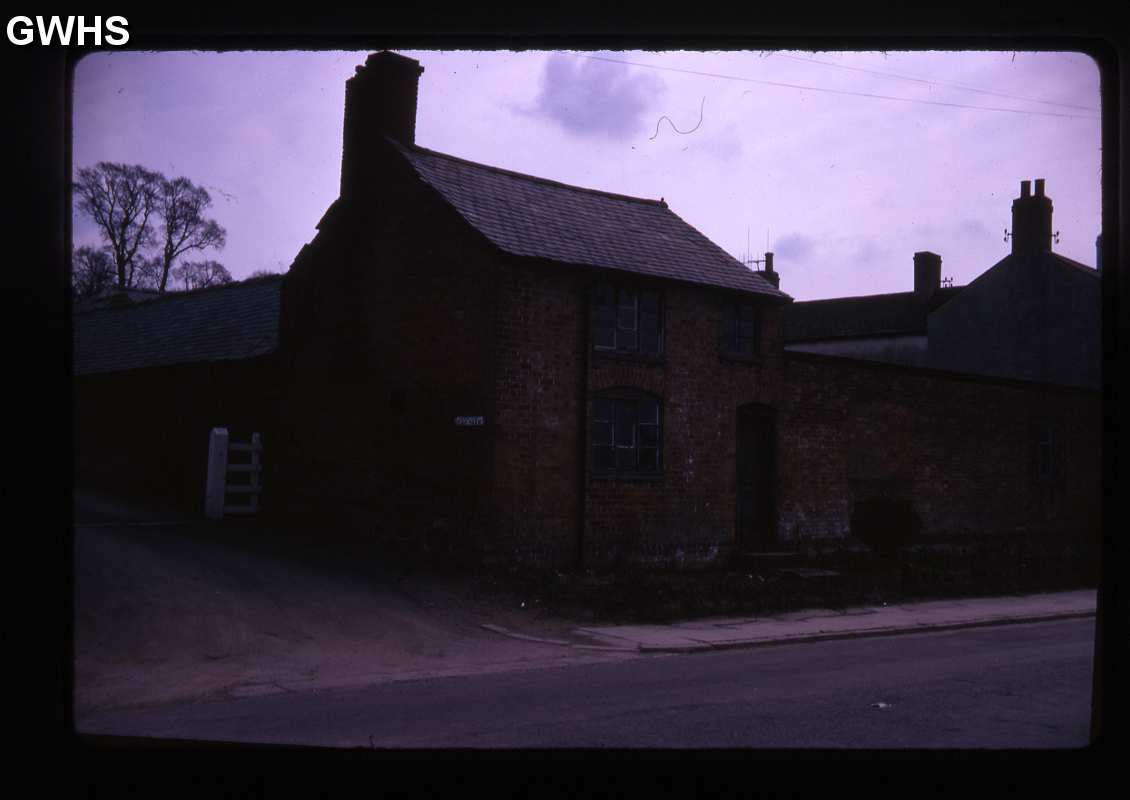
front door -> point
(756, 457)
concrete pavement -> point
(718, 633)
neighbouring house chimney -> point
(380, 100)
(927, 273)
(768, 274)
(1032, 220)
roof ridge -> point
(1073, 263)
(166, 296)
(534, 178)
(857, 297)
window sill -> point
(738, 358)
(636, 358)
(646, 477)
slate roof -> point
(897, 314)
(1069, 262)
(528, 216)
(113, 298)
(221, 323)
(901, 313)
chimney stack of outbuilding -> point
(927, 273)
(768, 273)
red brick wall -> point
(538, 333)
(545, 365)
(961, 449)
(690, 513)
(387, 330)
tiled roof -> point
(901, 313)
(528, 216)
(222, 323)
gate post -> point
(217, 474)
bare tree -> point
(180, 206)
(200, 274)
(121, 199)
(92, 272)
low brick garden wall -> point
(969, 568)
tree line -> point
(150, 226)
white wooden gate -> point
(220, 467)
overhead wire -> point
(831, 91)
(933, 82)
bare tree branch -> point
(121, 200)
(201, 274)
(92, 272)
(181, 208)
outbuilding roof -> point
(896, 314)
(222, 323)
(528, 216)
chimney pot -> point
(1025, 188)
(1039, 187)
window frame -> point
(729, 336)
(1047, 453)
(610, 318)
(624, 449)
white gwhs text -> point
(60, 30)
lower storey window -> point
(625, 435)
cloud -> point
(974, 228)
(725, 146)
(795, 247)
(595, 98)
(870, 251)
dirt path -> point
(175, 613)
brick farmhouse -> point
(471, 359)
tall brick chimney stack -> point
(768, 273)
(380, 100)
(1032, 220)
(927, 273)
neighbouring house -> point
(1034, 315)
(153, 374)
(471, 359)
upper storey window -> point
(741, 329)
(626, 320)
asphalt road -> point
(1015, 686)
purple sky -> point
(846, 187)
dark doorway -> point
(756, 460)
